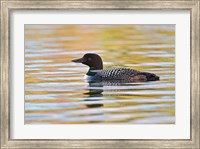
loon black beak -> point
(79, 60)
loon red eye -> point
(89, 58)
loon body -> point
(96, 71)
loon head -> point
(92, 60)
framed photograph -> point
(100, 74)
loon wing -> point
(125, 74)
(117, 73)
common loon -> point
(96, 72)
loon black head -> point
(92, 60)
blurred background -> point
(55, 89)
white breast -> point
(86, 77)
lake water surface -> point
(55, 89)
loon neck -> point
(92, 71)
(95, 66)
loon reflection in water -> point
(96, 71)
(94, 94)
(95, 90)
